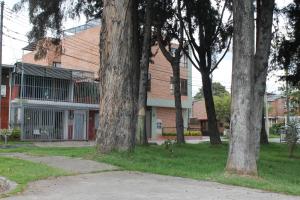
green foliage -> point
(223, 108)
(16, 134)
(292, 137)
(217, 88)
(274, 129)
(186, 133)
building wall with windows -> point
(80, 51)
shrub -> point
(186, 133)
(274, 129)
(16, 134)
(292, 137)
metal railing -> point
(53, 89)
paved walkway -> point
(73, 165)
(122, 185)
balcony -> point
(30, 82)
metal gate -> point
(43, 124)
(79, 125)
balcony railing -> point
(53, 89)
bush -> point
(274, 129)
(16, 134)
(186, 133)
(292, 137)
(13, 135)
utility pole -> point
(1, 38)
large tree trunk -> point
(263, 132)
(117, 78)
(210, 109)
(263, 43)
(178, 106)
(241, 154)
(141, 135)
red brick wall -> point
(5, 104)
(161, 71)
(168, 118)
(82, 53)
(277, 108)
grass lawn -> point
(277, 172)
(23, 172)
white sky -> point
(16, 27)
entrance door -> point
(79, 125)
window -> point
(171, 85)
(183, 61)
(149, 83)
(183, 86)
(56, 64)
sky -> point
(16, 26)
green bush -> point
(186, 133)
(16, 134)
(274, 129)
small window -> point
(183, 87)
(56, 64)
(149, 83)
(171, 85)
(159, 125)
(183, 61)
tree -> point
(217, 90)
(169, 28)
(144, 65)
(118, 77)
(264, 22)
(248, 83)
(208, 36)
(241, 154)
(288, 54)
(119, 63)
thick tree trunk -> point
(141, 135)
(263, 43)
(263, 132)
(178, 106)
(213, 130)
(117, 78)
(241, 154)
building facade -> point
(55, 98)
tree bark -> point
(141, 135)
(117, 117)
(210, 110)
(241, 154)
(263, 132)
(177, 96)
(263, 43)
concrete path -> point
(122, 185)
(73, 165)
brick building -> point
(199, 118)
(79, 54)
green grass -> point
(277, 172)
(23, 172)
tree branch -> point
(220, 60)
